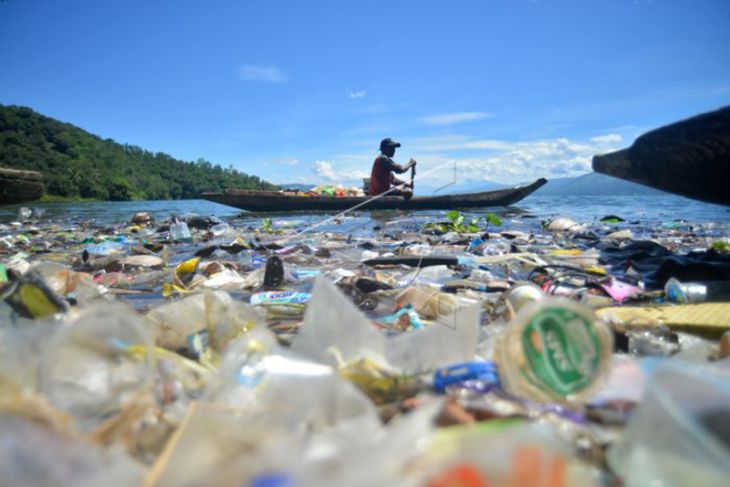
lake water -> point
(650, 211)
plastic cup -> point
(554, 350)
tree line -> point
(76, 163)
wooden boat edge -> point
(501, 197)
(20, 186)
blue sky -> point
(508, 90)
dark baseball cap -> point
(388, 142)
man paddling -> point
(382, 177)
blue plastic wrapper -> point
(405, 315)
(302, 274)
(466, 371)
(272, 480)
(279, 297)
(105, 248)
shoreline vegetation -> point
(52, 198)
(80, 166)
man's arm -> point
(401, 169)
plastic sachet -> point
(31, 455)
(679, 434)
(260, 415)
(258, 374)
(69, 283)
(336, 332)
(97, 364)
(173, 323)
(501, 453)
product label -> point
(279, 297)
(562, 349)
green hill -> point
(76, 163)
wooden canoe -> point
(275, 201)
(18, 186)
(690, 158)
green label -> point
(562, 349)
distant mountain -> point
(77, 164)
(594, 184)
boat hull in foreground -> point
(690, 158)
(275, 201)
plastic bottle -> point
(179, 232)
(220, 229)
(696, 292)
(554, 350)
(24, 214)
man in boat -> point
(382, 177)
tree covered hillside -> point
(76, 163)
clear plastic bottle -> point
(220, 229)
(179, 232)
(554, 350)
(24, 214)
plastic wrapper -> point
(32, 455)
(428, 301)
(333, 327)
(257, 373)
(679, 434)
(94, 366)
(262, 411)
(333, 322)
(174, 322)
(518, 454)
(67, 282)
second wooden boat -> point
(276, 201)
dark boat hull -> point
(18, 186)
(274, 201)
(690, 158)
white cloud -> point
(325, 172)
(267, 74)
(505, 161)
(607, 139)
(453, 118)
(354, 95)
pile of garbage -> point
(336, 190)
(455, 352)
